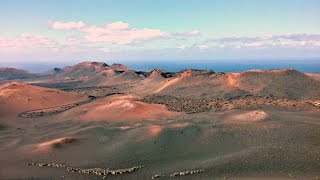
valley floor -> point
(231, 144)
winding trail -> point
(166, 84)
(37, 113)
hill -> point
(284, 83)
(14, 74)
(82, 70)
(17, 97)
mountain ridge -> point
(284, 83)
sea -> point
(303, 65)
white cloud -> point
(182, 47)
(6, 43)
(118, 26)
(254, 44)
(124, 36)
(194, 47)
(187, 34)
(203, 46)
(72, 38)
(120, 33)
(284, 40)
(29, 40)
(67, 25)
(106, 50)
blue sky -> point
(77, 30)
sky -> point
(146, 30)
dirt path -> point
(37, 113)
(167, 84)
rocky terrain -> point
(97, 171)
(99, 121)
(248, 102)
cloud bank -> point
(285, 40)
(119, 40)
(29, 40)
(119, 33)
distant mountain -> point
(54, 71)
(15, 74)
(283, 83)
(112, 76)
(82, 70)
(119, 67)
